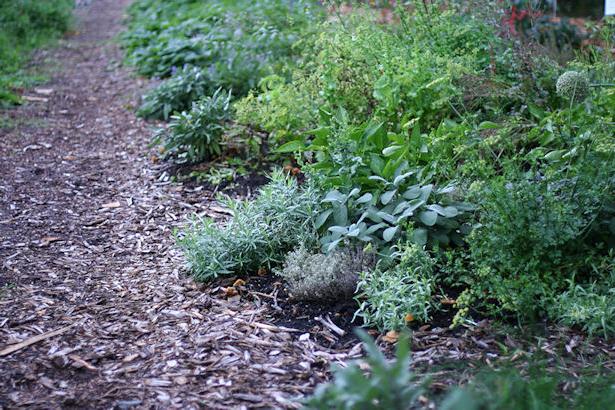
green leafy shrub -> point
(175, 94)
(390, 385)
(259, 234)
(25, 25)
(393, 74)
(373, 193)
(196, 134)
(535, 235)
(391, 298)
(331, 277)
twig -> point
(328, 323)
(34, 339)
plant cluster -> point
(203, 46)
(492, 165)
(390, 384)
(197, 134)
(258, 235)
(25, 25)
(393, 297)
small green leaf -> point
(488, 125)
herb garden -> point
(417, 170)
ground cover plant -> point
(390, 384)
(24, 26)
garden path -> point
(86, 249)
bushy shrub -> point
(259, 234)
(320, 277)
(393, 297)
(393, 74)
(535, 236)
(196, 134)
(536, 388)
(389, 385)
(176, 94)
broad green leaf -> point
(386, 197)
(412, 192)
(291, 146)
(389, 233)
(429, 218)
(322, 218)
(374, 228)
(419, 236)
(376, 164)
(335, 196)
(364, 198)
(398, 180)
(426, 192)
(389, 151)
(372, 129)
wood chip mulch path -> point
(88, 263)
(95, 310)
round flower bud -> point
(572, 85)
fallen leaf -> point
(109, 205)
(230, 292)
(239, 282)
(391, 336)
(45, 381)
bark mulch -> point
(95, 309)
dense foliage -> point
(203, 46)
(464, 155)
(25, 25)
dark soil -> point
(303, 315)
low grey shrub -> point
(316, 276)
